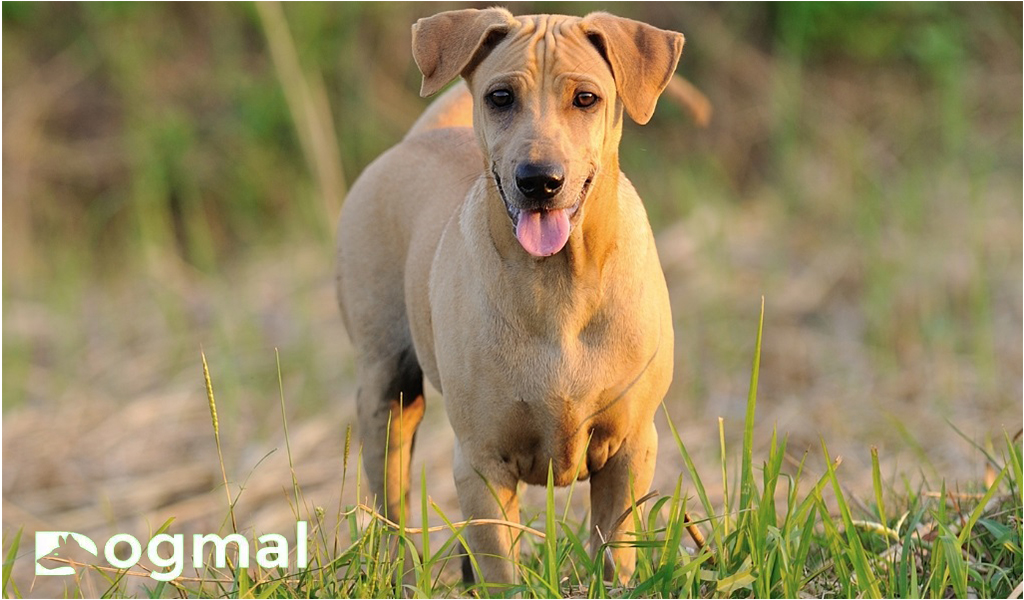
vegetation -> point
(776, 536)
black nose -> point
(539, 181)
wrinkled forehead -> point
(546, 45)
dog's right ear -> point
(449, 44)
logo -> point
(272, 551)
(60, 544)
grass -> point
(781, 532)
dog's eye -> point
(585, 100)
(500, 98)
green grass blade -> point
(739, 580)
(952, 551)
(425, 583)
(727, 511)
(767, 513)
(834, 549)
(939, 569)
(876, 480)
(867, 583)
(746, 472)
(576, 476)
(795, 582)
(906, 570)
(641, 541)
(702, 494)
(457, 534)
(579, 548)
(1015, 460)
(242, 576)
(270, 589)
(166, 525)
(9, 558)
(674, 528)
(284, 424)
(980, 508)
(551, 538)
(815, 494)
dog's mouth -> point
(544, 232)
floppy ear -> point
(451, 43)
(643, 59)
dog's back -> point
(454, 109)
(393, 208)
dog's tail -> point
(685, 94)
(454, 108)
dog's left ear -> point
(642, 57)
(451, 43)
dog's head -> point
(548, 97)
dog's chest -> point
(565, 368)
(568, 397)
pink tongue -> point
(543, 232)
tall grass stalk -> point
(308, 105)
(216, 436)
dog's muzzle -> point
(542, 229)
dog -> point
(499, 252)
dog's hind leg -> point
(390, 406)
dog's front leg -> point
(488, 491)
(611, 497)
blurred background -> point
(172, 174)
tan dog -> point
(499, 251)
